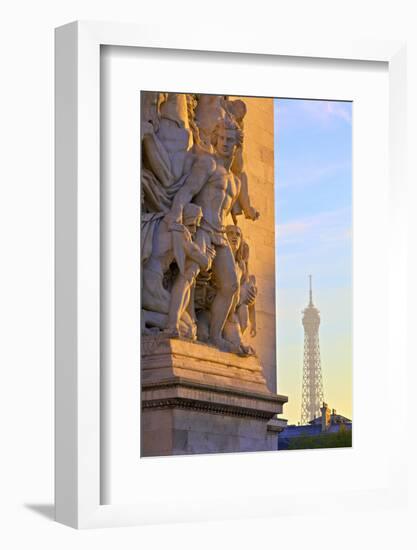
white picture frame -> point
(78, 427)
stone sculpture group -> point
(196, 281)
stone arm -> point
(194, 252)
(244, 199)
(252, 320)
(201, 171)
(237, 164)
(248, 293)
(251, 308)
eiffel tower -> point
(312, 391)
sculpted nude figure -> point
(248, 292)
(242, 311)
(213, 186)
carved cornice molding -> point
(206, 407)
(225, 390)
(180, 393)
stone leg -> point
(154, 296)
(180, 296)
(224, 270)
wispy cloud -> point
(327, 111)
(294, 228)
(310, 172)
(313, 143)
(324, 228)
(293, 113)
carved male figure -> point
(242, 311)
(165, 246)
(212, 185)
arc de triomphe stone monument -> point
(208, 344)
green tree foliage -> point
(322, 441)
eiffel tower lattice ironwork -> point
(312, 391)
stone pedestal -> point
(197, 399)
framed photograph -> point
(227, 314)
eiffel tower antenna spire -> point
(311, 290)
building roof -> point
(334, 419)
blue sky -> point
(313, 182)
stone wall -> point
(259, 165)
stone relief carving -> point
(196, 282)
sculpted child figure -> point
(243, 309)
(248, 291)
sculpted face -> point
(226, 142)
(192, 216)
(193, 224)
(234, 235)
